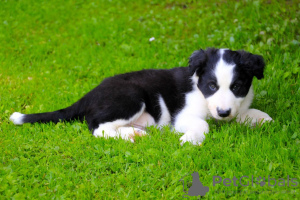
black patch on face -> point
(203, 64)
(208, 84)
(241, 83)
(247, 66)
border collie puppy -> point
(216, 84)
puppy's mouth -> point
(229, 118)
(224, 118)
(217, 117)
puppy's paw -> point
(262, 120)
(254, 117)
(136, 133)
(130, 133)
(192, 137)
(126, 133)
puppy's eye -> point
(235, 87)
(212, 86)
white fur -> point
(17, 118)
(165, 117)
(190, 120)
(246, 102)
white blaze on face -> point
(223, 99)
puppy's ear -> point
(253, 64)
(197, 61)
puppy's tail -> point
(66, 114)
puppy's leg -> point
(116, 128)
(193, 128)
(253, 117)
(126, 133)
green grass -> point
(53, 52)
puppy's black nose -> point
(223, 113)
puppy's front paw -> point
(254, 117)
(262, 120)
(192, 137)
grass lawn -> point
(53, 52)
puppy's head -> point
(224, 77)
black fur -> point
(121, 96)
